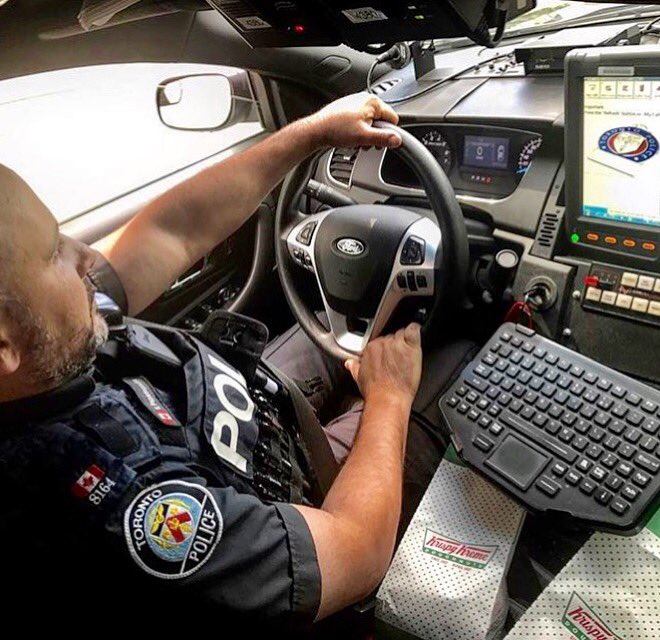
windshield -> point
(557, 12)
(554, 13)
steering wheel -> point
(368, 258)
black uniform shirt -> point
(136, 498)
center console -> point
(570, 427)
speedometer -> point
(527, 155)
(435, 142)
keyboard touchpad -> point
(517, 462)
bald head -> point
(20, 208)
(26, 227)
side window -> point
(86, 136)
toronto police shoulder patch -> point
(172, 528)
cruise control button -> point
(410, 279)
(306, 233)
(413, 251)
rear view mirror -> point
(195, 103)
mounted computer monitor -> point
(612, 149)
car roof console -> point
(295, 23)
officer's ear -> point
(10, 356)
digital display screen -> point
(620, 154)
(486, 152)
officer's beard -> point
(56, 359)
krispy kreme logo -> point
(475, 556)
(584, 623)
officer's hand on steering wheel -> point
(348, 122)
(390, 367)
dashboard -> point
(501, 138)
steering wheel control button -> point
(422, 282)
(413, 251)
(410, 277)
(306, 233)
(401, 281)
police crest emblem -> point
(172, 528)
(632, 143)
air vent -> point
(342, 164)
(546, 236)
(382, 87)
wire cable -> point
(501, 26)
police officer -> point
(171, 479)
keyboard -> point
(559, 432)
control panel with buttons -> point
(413, 251)
(412, 281)
(631, 294)
(625, 243)
(303, 258)
(306, 233)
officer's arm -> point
(354, 532)
(177, 229)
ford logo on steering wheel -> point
(350, 246)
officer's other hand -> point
(348, 122)
(390, 367)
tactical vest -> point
(162, 397)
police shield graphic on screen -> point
(620, 158)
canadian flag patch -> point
(88, 481)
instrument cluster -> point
(489, 161)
